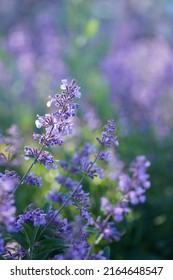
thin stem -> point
(66, 202)
(31, 166)
(29, 169)
(97, 236)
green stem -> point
(27, 172)
(97, 236)
(31, 166)
(66, 202)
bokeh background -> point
(121, 54)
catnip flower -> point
(8, 181)
(56, 125)
(35, 216)
(132, 187)
(32, 180)
(107, 135)
(13, 142)
(44, 157)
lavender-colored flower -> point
(8, 182)
(91, 169)
(104, 156)
(107, 230)
(134, 187)
(66, 182)
(13, 143)
(32, 180)
(117, 211)
(2, 245)
(75, 235)
(44, 157)
(124, 184)
(81, 197)
(138, 170)
(31, 215)
(98, 256)
(39, 218)
(56, 197)
(107, 135)
(59, 122)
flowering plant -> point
(46, 233)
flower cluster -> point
(44, 233)
(8, 181)
(132, 189)
(13, 142)
(35, 216)
(107, 135)
(59, 123)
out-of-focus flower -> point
(8, 181)
(107, 135)
(12, 151)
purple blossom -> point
(58, 124)
(31, 215)
(91, 169)
(2, 245)
(44, 157)
(134, 187)
(39, 218)
(66, 182)
(8, 182)
(32, 180)
(98, 256)
(107, 135)
(107, 230)
(55, 196)
(75, 235)
(138, 170)
(117, 211)
(13, 143)
(81, 197)
(104, 156)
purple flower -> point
(8, 181)
(66, 182)
(39, 218)
(117, 211)
(107, 230)
(31, 215)
(107, 135)
(124, 184)
(104, 156)
(13, 143)
(32, 180)
(133, 188)
(2, 247)
(98, 256)
(44, 157)
(56, 125)
(56, 197)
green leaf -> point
(28, 231)
(46, 207)
(47, 247)
(19, 237)
(107, 252)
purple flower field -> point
(86, 94)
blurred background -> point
(121, 55)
